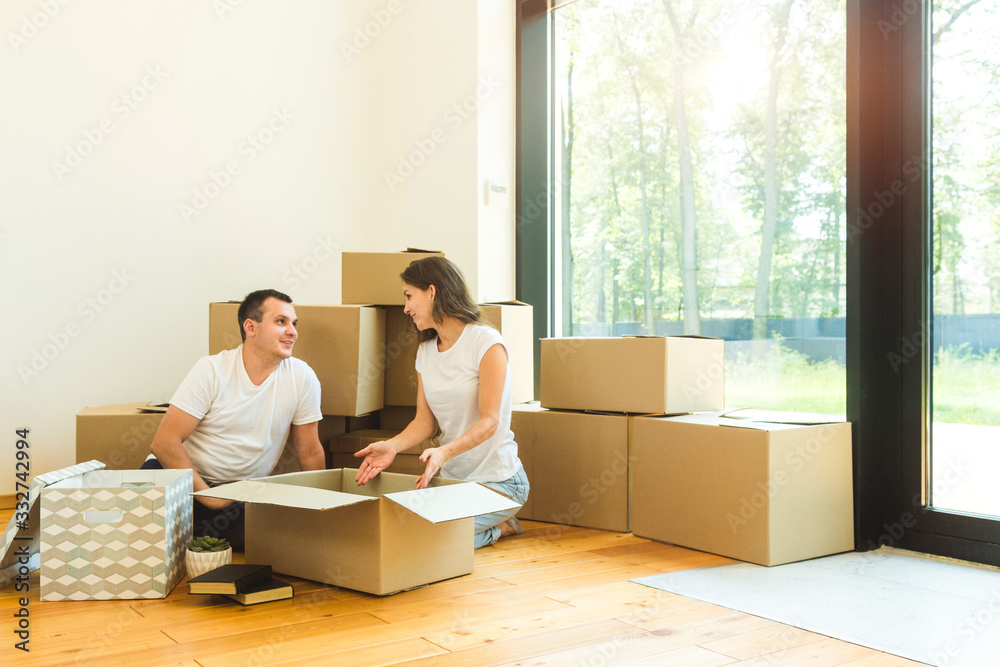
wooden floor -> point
(553, 596)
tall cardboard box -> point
(380, 538)
(637, 374)
(114, 534)
(342, 344)
(514, 321)
(373, 277)
(401, 341)
(764, 492)
(577, 465)
(117, 435)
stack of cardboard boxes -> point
(614, 445)
(577, 445)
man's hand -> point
(435, 458)
(378, 456)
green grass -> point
(966, 385)
(786, 380)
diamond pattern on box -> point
(139, 556)
(18, 538)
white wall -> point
(102, 246)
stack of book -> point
(247, 584)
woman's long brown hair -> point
(451, 294)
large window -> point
(698, 184)
(965, 257)
(682, 168)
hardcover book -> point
(275, 589)
(231, 579)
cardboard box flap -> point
(782, 417)
(697, 336)
(19, 545)
(511, 302)
(447, 503)
(136, 479)
(420, 250)
(285, 495)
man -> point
(232, 414)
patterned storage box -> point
(115, 534)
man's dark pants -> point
(227, 522)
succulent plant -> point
(205, 544)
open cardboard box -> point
(20, 545)
(101, 534)
(380, 538)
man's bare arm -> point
(308, 450)
(168, 448)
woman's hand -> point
(378, 456)
(434, 458)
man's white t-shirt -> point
(244, 427)
(451, 387)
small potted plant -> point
(207, 553)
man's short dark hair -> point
(253, 307)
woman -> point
(463, 383)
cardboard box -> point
(406, 464)
(364, 422)
(19, 545)
(117, 435)
(114, 534)
(758, 491)
(355, 441)
(577, 464)
(373, 277)
(638, 374)
(380, 538)
(342, 344)
(396, 417)
(401, 342)
(515, 322)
